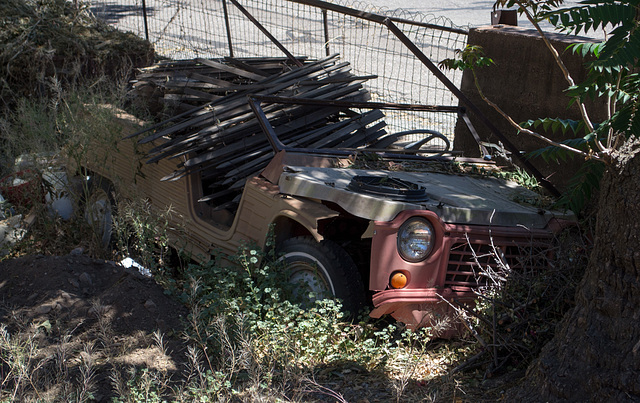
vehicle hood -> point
(457, 199)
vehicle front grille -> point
(477, 264)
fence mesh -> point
(184, 29)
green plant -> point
(520, 176)
(251, 338)
(19, 358)
(253, 289)
(143, 233)
(142, 386)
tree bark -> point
(595, 354)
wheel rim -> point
(308, 275)
(99, 215)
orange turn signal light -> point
(398, 280)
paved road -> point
(464, 13)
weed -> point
(251, 340)
(142, 233)
(19, 363)
(517, 310)
(520, 176)
(86, 378)
(142, 386)
(47, 140)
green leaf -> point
(46, 325)
(469, 58)
(582, 186)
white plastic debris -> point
(58, 198)
(129, 263)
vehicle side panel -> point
(260, 205)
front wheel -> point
(319, 270)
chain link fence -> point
(185, 29)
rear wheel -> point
(319, 270)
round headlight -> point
(415, 239)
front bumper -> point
(449, 277)
(429, 307)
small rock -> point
(86, 357)
(74, 282)
(32, 296)
(44, 309)
(151, 306)
(77, 251)
(85, 279)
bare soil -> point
(73, 301)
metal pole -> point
(355, 104)
(325, 19)
(144, 19)
(263, 121)
(228, 25)
(267, 33)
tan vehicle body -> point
(309, 198)
(206, 229)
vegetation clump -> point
(48, 41)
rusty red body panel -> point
(454, 270)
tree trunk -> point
(595, 354)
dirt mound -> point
(49, 42)
(71, 302)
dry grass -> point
(44, 43)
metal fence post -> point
(144, 19)
(325, 20)
(228, 25)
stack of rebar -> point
(221, 139)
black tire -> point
(325, 269)
(99, 210)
